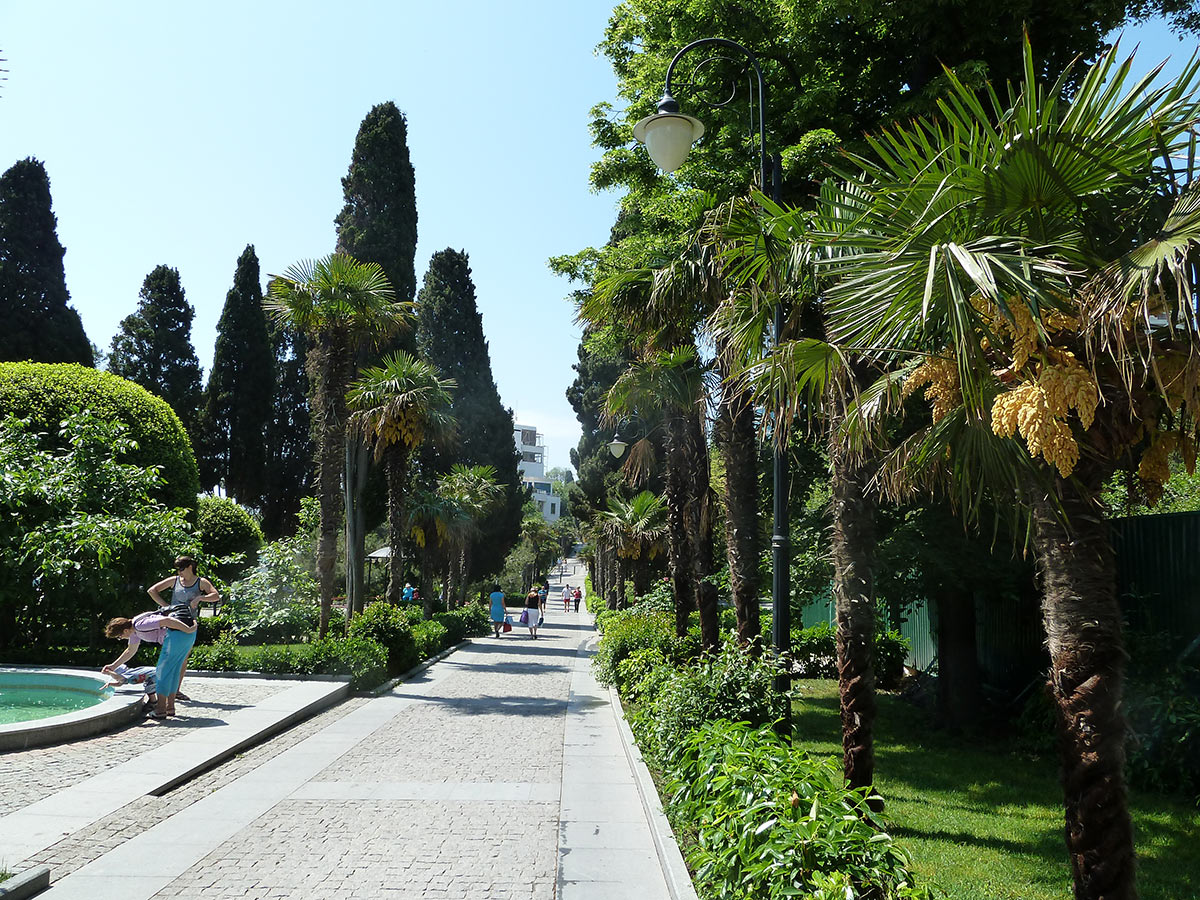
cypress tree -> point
(289, 468)
(153, 347)
(240, 390)
(450, 335)
(38, 323)
(378, 224)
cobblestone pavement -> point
(457, 796)
(29, 775)
(90, 843)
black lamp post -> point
(668, 136)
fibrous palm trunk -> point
(358, 466)
(678, 546)
(698, 521)
(619, 566)
(736, 431)
(331, 364)
(853, 552)
(1083, 634)
(396, 462)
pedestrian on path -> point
(498, 610)
(577, 596)
(187, 587)
(566, 598)
(533, 612)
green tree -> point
(1042, 269)
(38, 323)
(342, 305)
(450, 335)
(237, 401)
(635, 529)
(79, 529)
(475, 492)
(378, 223)
(398, 406)
(288, 433)
(153, 347)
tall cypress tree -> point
(38, 323)
(153, 347)
(289, 470)
(450, 335)
(238, 399)
(378, 223)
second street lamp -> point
(668, 136)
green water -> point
(21, 704)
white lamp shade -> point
(668, 138)
(617, 447)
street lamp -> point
(668, 136)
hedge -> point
(226, 528)
(46, 393)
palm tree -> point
(1029, 263)
(674, 384)
(635, 529)
(429, 516)
(399, 405)
(475, 492)
(340, 304)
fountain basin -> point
(40, 706)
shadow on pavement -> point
(508, 705)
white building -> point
(531, 445)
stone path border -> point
(33, 828)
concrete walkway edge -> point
(675, 870)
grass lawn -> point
(984, 822)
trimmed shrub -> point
(630, 630)
(732, 685)
(219, 656)
(47, 393)
(363, 659)
(467, 621)
(226, 530)
(388, 626)
(814, 651)
(431, 639)
(209, 628)
(771, 823)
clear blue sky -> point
(179, 133)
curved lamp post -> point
(668, 136)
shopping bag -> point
(525, 617)
(506, 627)
(541, 621)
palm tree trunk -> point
(1083, 634)
(355, 483)
(853, 551)
(736, 431)
(396, 460)
(641, 576)
(678, 547)
(697, 516)
(464, 568)
(428, 603)
(619, 565)
(330, 361)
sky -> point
(178, 133)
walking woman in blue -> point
(187, 590)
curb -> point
(26, 884)
(415, 670)
(675, 871)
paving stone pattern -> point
(91, 843)
(423, 808)
(27, 776)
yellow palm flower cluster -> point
(941, 376)
(406, 429)
(1022, 329)
(1038, 410)
(1154, 470)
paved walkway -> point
(496, 773)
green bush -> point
(456, 628)
(274, 660)
(471, 620)
(47, 393)
(814, 651)
(363, 659)
(431, 638)
(219, 656)
(630, 630)
(227, 530)
(641, 672)
(388, 626)
(209, 628)
(732, 685)
(772, 823)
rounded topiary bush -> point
(46, 393)
(226, 528)
(388, 626)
